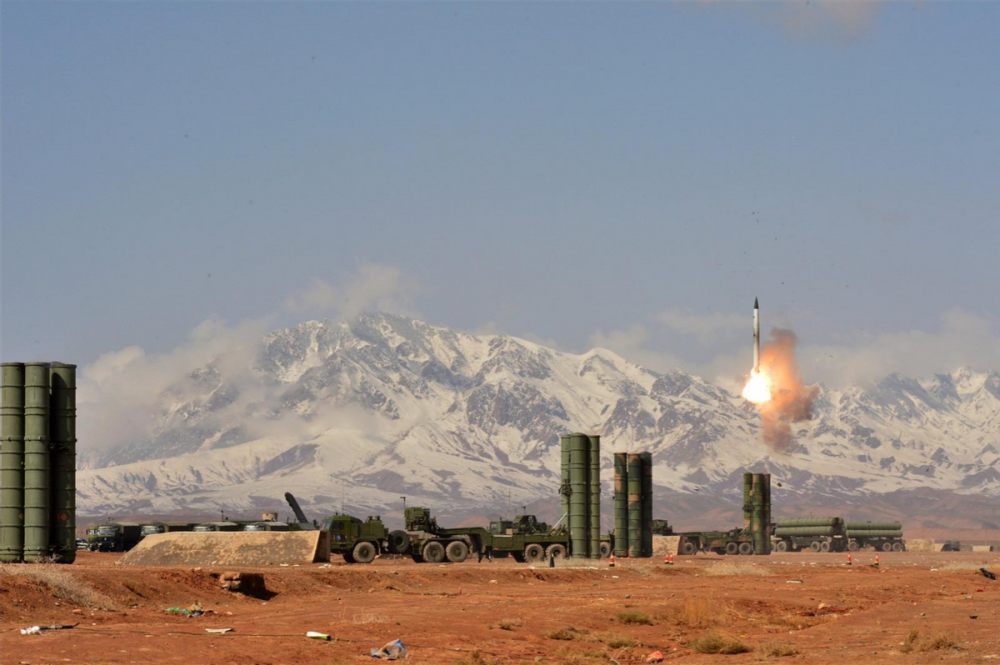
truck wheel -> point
(781, 546)
(457, 551)
(853, 546)
(605, 550)
(557, 551)
(814, 546)
(399, 542)
(364, 552)
(434, 552)
(687, 548)
(746, 549)
(824, 546)
(898, 547)
(534, 553)
(886, 547)
(732, 548)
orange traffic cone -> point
(876, 561)
(671, 559)
(666, 559)
(848, 558)
(611, 561)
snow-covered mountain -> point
(361, 412)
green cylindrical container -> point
(807, 521)
(747, 499)
(634, 505)
(594, 494)
(767, 511)
(868, 526)
(37, 505)
(564, 487)
(62, 538)
(805, 531)
(621, 504)
(646, 503)
(757, 514)
(579, 500)
(12, 463)
(874, 533)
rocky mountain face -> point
(355, 414)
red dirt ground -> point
(505, 612)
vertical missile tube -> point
(756, 336)
(634, 505)
(63, 462)
(12, 464)
(646, 505)
(594, 491)
(37, 503)
(766, 492)
(747, 499)
(579, 521)
(621, 504)
(564, 486)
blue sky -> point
(630, 175)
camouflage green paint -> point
(646, 503)
(747, 499)
(621, 504)
(37, 504)
(62, 539)
(12, 463)
(564, 486)
(594, 494)
(634, 505)
(579, 504)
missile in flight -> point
(756, 337)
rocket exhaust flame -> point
(776, 388)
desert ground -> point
(915, 607)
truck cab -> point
(347, 534)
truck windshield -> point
(107, 530)
(147, 530)
(255, 527)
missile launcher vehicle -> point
(113, 537)
(734, 541)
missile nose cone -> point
(755, 305)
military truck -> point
(164, 527)
(662, 528)
(356, 541)
(425, 540)
(217, 526)
(268, 525)
(734, 541)
(818, 534)
(885, 536)
(113, 537)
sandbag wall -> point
(581, 493)
(757, 510)
(38, 462)
(633, 504)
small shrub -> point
(700, 613)
(777, 650)
(508, 624)
(939, 642)
(716, 643)
(617, 640)
(634, 619)
(567, 633)
(910, 643)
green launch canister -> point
(767, 512)
(62, 539)
(12, 464)
(37, 505)
(621, 504)
(646, 503)
(747, 499)
(869, 526)
(579, 523)
(564, 487)
(634, 505)
(594, 491)
(808, 522)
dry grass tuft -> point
(716, 643)
(777, 650)
(479, 658)
(616, 640)
(567, 633)
(582, 657)
(733, 568)
(63, 584)
(508, 624)
(700, 613)
(634, 619)
(936, 642)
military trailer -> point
(164, 527)
(424, 540)
(662, 528)
(818, 534)
(884, 536)
(113, 537)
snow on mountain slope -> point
(385, 405)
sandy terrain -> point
(505, 612)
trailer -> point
(884, 536)
(732, 542)
(818, 534)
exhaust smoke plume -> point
(790, 401)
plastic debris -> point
(38, 630)
(655, 657)
(34, 630)
(988, 574)
(218, 630)
(312, 634)
(793, 581)
(391, 651)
